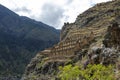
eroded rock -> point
(102, 55)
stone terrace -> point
(75, 41)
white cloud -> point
(66, 10)
(51, 14)
(99, 1)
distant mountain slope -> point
(20, 39)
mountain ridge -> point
(20, 39)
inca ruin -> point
(94, 38)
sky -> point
(52, 12)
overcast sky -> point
(51, 12)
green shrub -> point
(92, 72)
(69, 73)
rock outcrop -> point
(112, 39)
(94, 38)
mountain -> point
(20, 39)
(94, 38)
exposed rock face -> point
(103, 55)
(112, 39)
(92, 39)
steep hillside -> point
(94, 38)
(98, 16)
(20, 39)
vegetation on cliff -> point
(92, 72)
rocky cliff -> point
(94, 38)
